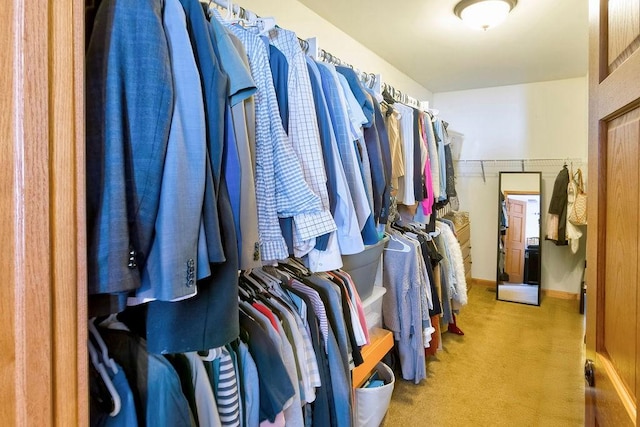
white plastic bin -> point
(371, 404)
(373, 308)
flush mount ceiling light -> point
(483, 14)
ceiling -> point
(540, 40)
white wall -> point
(544, 120)
(295, 16)
(537, 120)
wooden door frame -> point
(602, 107)
(43, 380)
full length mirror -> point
(518, 266)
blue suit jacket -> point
(129, 105)
(210, 319)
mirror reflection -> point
(518, 269)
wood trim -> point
(613, 395)
(82, 360)
(32, 280)
(521, 193)
(43, 380)
(8, 172)
(596, 191)
(66, 98)
(626, 85)
(381, 343)
(483, 282)
(552, 293)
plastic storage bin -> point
(362, 267)
(373, 307)
(371, 404)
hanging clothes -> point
(557, 213)
(125, 148)
(402, 307)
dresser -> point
(463, 232)
(464, 238)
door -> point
(613, 314)
(515, 241)
(43, 309)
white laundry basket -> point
(371, 404)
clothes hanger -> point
(229, 15)
(115, 397)
(268, 279)
(279, 275)
(405, 247)
(103, 347)
(298, 262)
(243, 293)
(258, 287)
(211, 355)
(265, 24)
(295, 267)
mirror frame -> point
(497, 265)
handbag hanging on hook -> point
(578, 210)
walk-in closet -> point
(308, 214)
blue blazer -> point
(209, 319)
(129, 105)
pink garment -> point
(278, 422)
(427, 203)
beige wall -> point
(544, 120)
(539, 120)
(520, 182)
(295, 16)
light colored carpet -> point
(516, 365)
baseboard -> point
(483, 282)
(551, 293)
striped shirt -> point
(227, 396)
(278, 171)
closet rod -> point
(369, 79)
(234, 8)
(522, 161)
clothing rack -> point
(442, 212)
(310, 47)
(404, 98)
(482, 167)
(236, 9)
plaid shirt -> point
(281, 189)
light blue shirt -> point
(349, 237)
(338, 110)
(251, 386)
